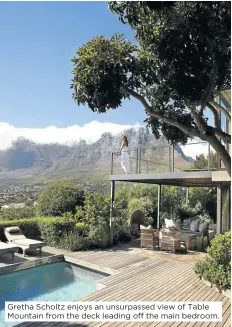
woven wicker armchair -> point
(170, 240)
(149, 238)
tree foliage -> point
(59, 198)
(206, 197)
(17, 213)
(205, 161)
(181, 62)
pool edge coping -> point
(91, 266)
(14, 267)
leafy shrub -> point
(122, 232)
(73, 242)
(204, 218)
(220, 248)
(217, 268)
(65, 233)
(52, 230)
(59, 198)
(121, 198)
(17, 213)
(219, 274)
(82, 228)
(200, 268)
(146, 206)
(122, 235)
(141, 191)
(94, 216)
(187, 212)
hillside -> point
(28, 160)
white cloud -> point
(90, 132)
(193, 150)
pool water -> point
(54, 282)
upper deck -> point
(163, 165)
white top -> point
(125, 149)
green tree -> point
(202, 161)
(207, 197)
(121, 197)
(141, 191)
(172, 198)
(181, 62)
(59, 198)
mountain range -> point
(26, 159)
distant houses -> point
(13, 206)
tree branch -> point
(216, 115)
(224, 136)
(199, 121)
(191, 131)
(207, 130)
(205, 97)
(218, 107)
(221, 151)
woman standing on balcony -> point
(125, 158)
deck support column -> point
(187, 195)
(223, 208)
(159, 206)
(111, 213)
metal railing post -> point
(173, 158)
(112, 163)
(169, 159)
(187, 195)
(136, 166)
(111, 222)
(131, 164)
(139, 161)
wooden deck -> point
(140, 278)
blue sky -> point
(38, 39)
(37, 42)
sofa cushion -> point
(194, 226)
(13, 230)
(213, 227)
(203, 226)
(170, 223)
(177, 224)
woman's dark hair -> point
(125, 139)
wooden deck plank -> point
(186, 296)
(154, 296)
(140, 278)
(160, 296)
(126, 290)
(126, 283)
(225, 313)
(178, 296)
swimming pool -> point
(60, 281)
